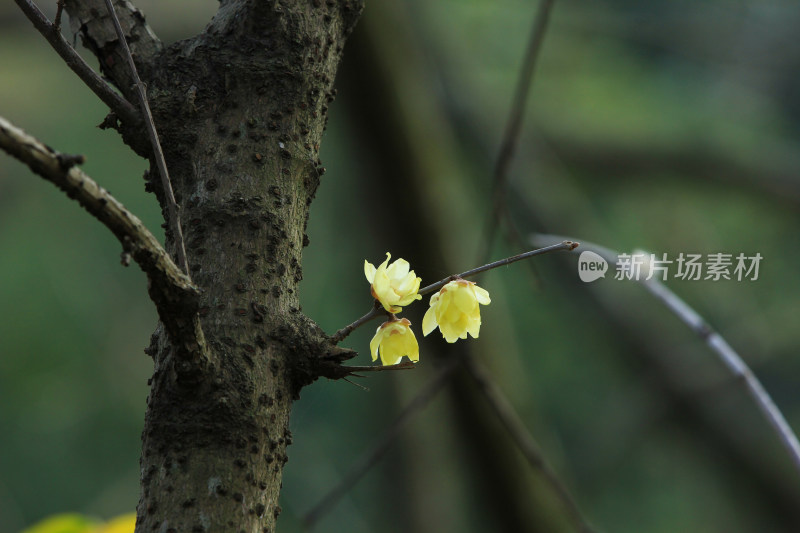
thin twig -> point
(380, 447)
(405, 365)
(60, 169)
(729, 357)
(514, 123)
(123, 109)
(565, 246)
(524, 441)
(158, 154)
(376, 311)
(59, 11)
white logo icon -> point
(591, 266)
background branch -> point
(380, 447)
(524, 440)
(514, 125)
(771, 174)
(717, 344)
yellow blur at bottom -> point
(75, 523)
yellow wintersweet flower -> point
(121, 524)
(393, 285)
(394, 339)
(456, 311)
(76, 523)
(63, 523)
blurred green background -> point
(668, 126)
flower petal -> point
(399, 269)
(474, 327)
(382, 288)
(369, 271)
(429, 321)
(406, 284)
(390, 352)
(413, 351)
(388, 258)
(482, 295)
(376, 341)
(464, 299)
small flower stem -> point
(405, 365)
(378, 310)
(565, 246)
(340, 335)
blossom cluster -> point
(454, 309)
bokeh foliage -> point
(669, 126)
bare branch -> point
(170, 289)
(565, 246)
(732, 360)
(381, 445)
(158, 153)
(377, 310)
(771, 174)
(405, 365)
(89, 19)
(524, 441)
(514, 123)
(59, 12)
(103, 90)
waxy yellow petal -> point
(455, 309)
(393, 285)
(393, 340)
(429, 321)
(482, 295)
(369, 271)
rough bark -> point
(240, 111)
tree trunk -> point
(240, 110)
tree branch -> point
(89, 18)
(564, 246)
(380, 446)
(158, 153)
(514, 124)
(770, 173)
(170, 289)
(103, 90)
(718, 345)
(377, 310)
(503, 411)
(524, 441)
